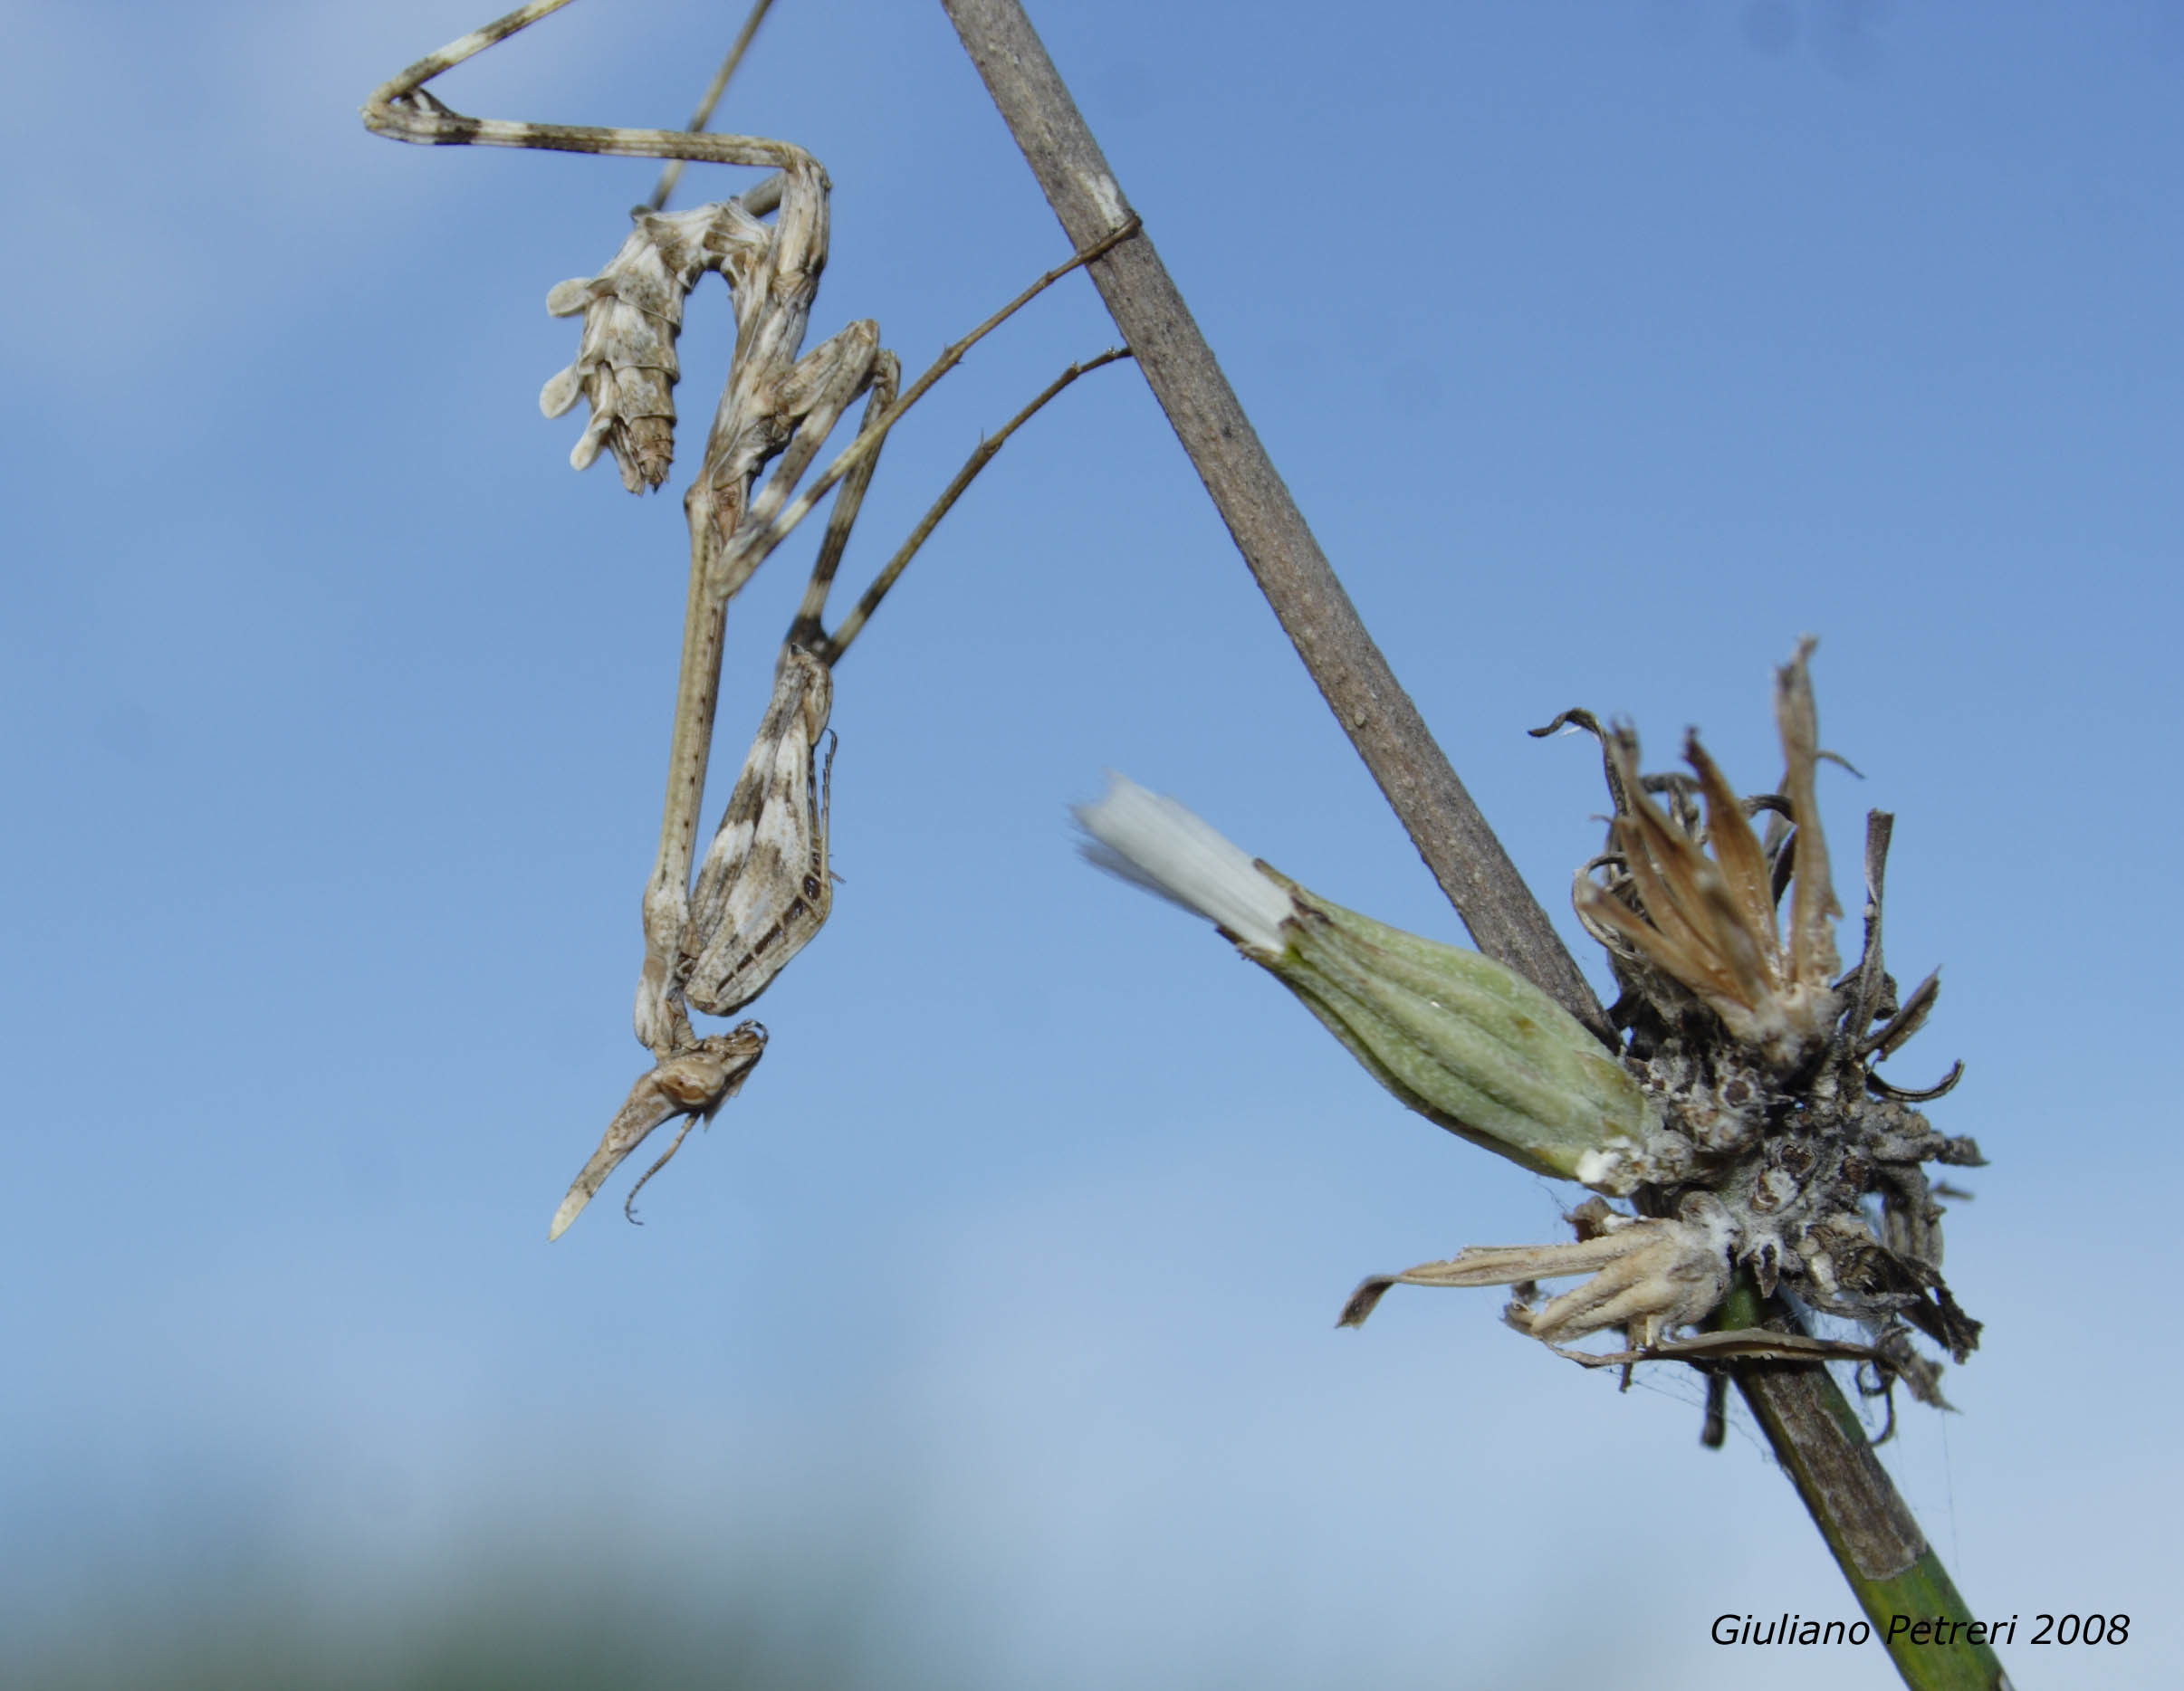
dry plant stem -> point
(1876, 1542)
(1383, 723)
(1819, 1442)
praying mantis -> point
(764, 887)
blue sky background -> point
(987, 1337)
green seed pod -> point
(1460, 1038)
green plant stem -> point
(1899, 1580)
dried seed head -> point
(1744, 1121)
(1760, 1058)
(1456, 1036)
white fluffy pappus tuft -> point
(1155, 842)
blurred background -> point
(987, 1338)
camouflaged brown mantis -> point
(764, 888)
